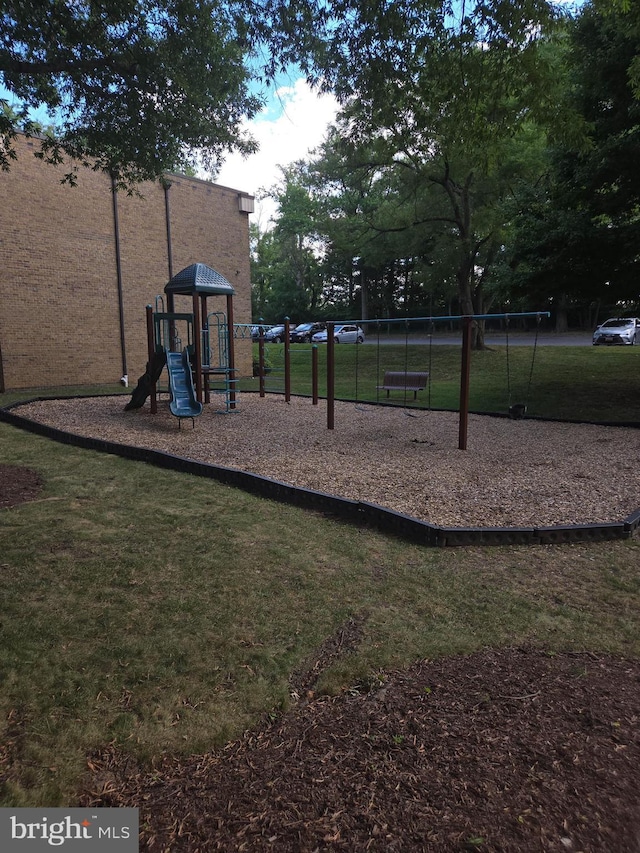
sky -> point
(292, 124)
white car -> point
(342, 334)
(618, 330)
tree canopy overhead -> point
(139, 86)
(135, 86)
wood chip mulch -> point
(516, 473)
(513, 750)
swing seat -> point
(517, 411)
(404, 380)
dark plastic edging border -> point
(361, 513)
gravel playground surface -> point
(514, 472)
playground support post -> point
(261, 362)
(287, 361)
(231, 354)
(205, 345)
(465, 372)
(150, 354)
(197, 341)
(331, 376)
(314, 374)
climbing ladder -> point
(218, 376)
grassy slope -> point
(165, 613)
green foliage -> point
(436, 191)
(578, 233)
(139, 87)
(415, 185)
(136, 87)
(286, 278)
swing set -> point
(516, 410)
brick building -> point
(79, 264)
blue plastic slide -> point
(183, 395)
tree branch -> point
(40, 68)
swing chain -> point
(533, 357)
(506, 322)
(519, 410)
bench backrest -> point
(406, 379)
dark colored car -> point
(303, 333)
(274, 335)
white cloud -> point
(292, 124)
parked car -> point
(303, 333)
(342, 334)
(274, 335)
(618, 330)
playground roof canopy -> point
(199, 278)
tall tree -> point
(286, 275)
(578, 238)
(456, 90)
(138, 87)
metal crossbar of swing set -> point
(465, 371)
(449, 318)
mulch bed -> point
(511, 750)
(503, 751)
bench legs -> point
(415, 393)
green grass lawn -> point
(574, 383)
(570, 383)
(165, 613)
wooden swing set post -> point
(465, 373)
(287, 360)
(314, 374)
(261, 362)
(151, 348)
(331, 376)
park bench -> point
(404, 380)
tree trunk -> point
(562, 322)
(469, 300)
(461, 206)
(364, 306)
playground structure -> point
(198, 350)
(196, 347)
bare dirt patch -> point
(18, 485)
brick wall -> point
(59, 300)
